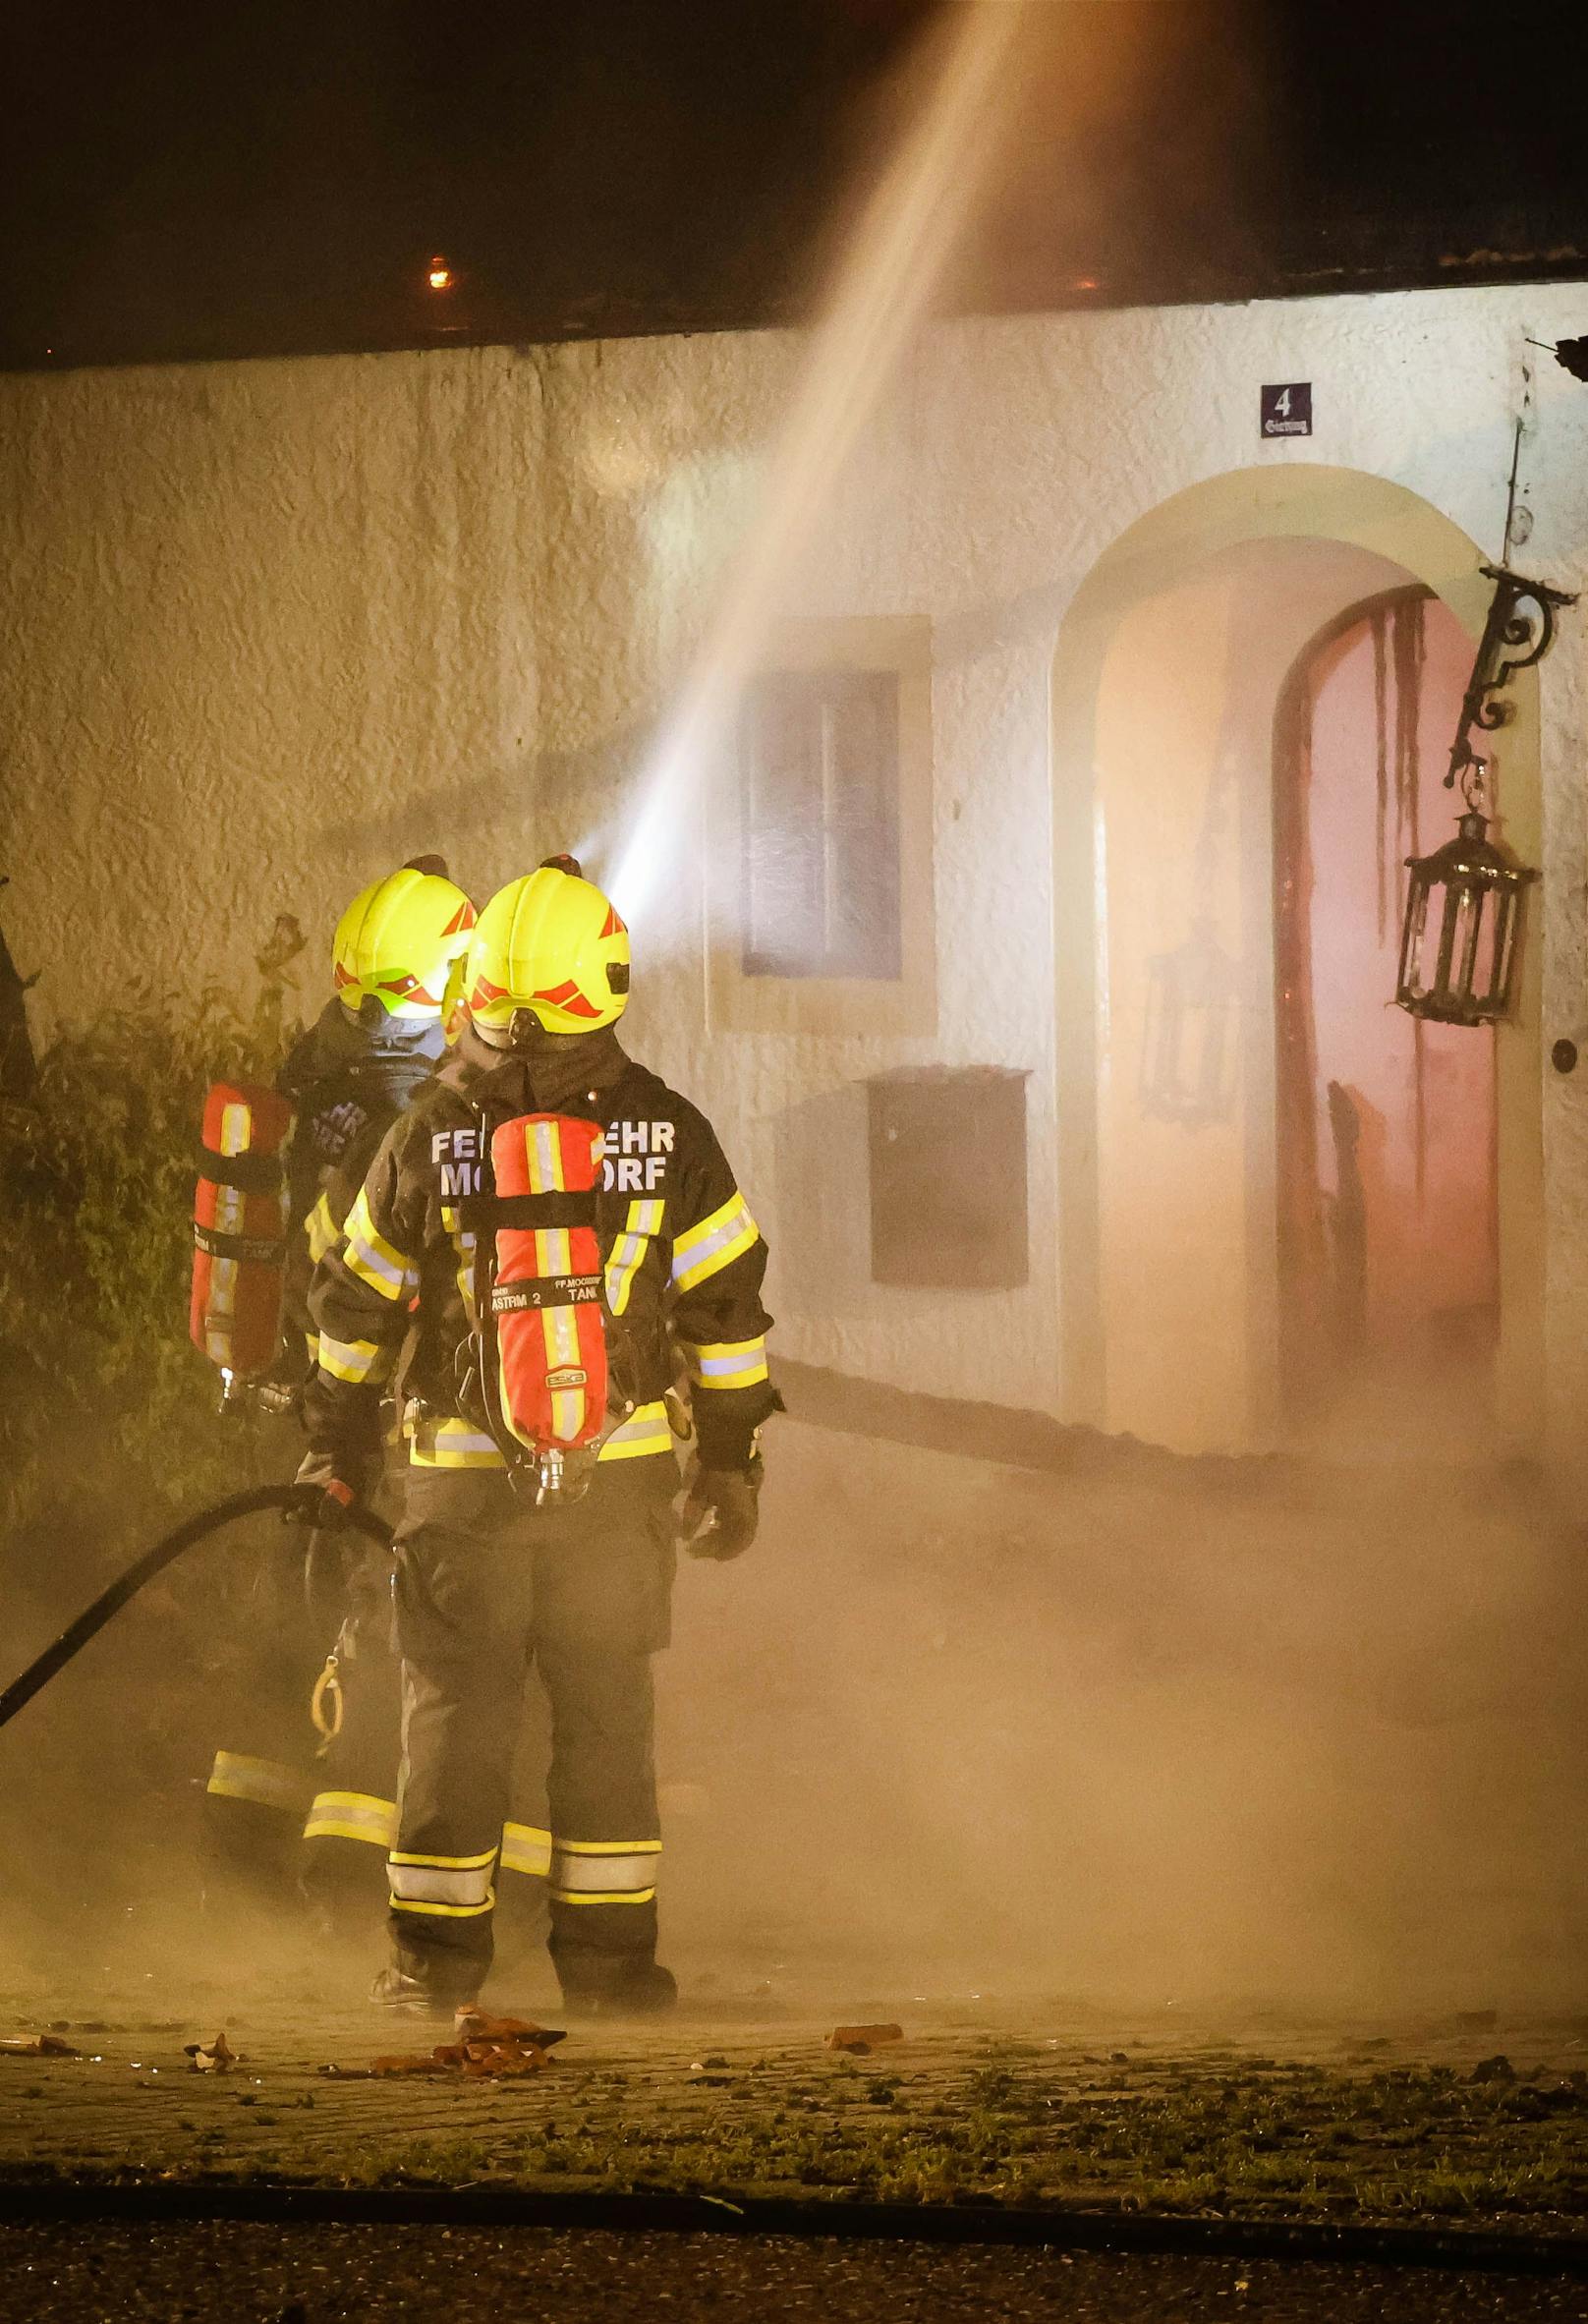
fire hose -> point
(164, 1551)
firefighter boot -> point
(418, 1985)
(611, 1986)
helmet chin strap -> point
(523, 1034)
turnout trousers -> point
(487, 1587)
(352, 1825)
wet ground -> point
(314, 2275)
(1014, 1743)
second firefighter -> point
(486, 1581)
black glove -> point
(720, 1512)
(283, 1400)
(341, 1481)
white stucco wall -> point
(267, 627)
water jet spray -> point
(894, 265)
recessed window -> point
(820, 770)
(819, 849)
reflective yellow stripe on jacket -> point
(703, 1251)
(458, 1444)
(321, 1229)
(376, 1261)
(629, 1249)
(355, 1360)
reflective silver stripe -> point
(704, 1250)
(270, 1783)
(527, 1851)
(373, 1259)
(464, 1887)
(453, 1445)
(578, 1865)
(353, 1360)
(643, 1222)
(728, 1363)
(353, 1815)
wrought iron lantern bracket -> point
(1518, 632)
(1459, 943)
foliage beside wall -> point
(107, 1403)
(108, 1430)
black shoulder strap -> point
(487, 1213)
(249, 1173)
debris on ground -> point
(486, 2049)
(216, 2056)
(860, 2040)
(1494, 2069)
(714, 2072)
(37, 2045)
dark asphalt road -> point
(252, 2274)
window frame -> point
(758, 1002)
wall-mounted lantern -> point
(1458, 944)
(1459, 938)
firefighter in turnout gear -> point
(347, 1078)
(352, 1073)
(502, 1564)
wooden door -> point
(1387, 1191)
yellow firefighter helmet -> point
(552, 945)
(396, 941)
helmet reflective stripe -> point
(554, 945)
(397, 941)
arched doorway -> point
(1388, 1193)
(1167, 677)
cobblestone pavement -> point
(1468, 2121)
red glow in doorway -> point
(1387, 1178)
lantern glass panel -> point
(1459, 940)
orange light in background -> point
(440, 276)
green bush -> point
(97, 1172)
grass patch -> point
(1292, 2143)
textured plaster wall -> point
(267, 627)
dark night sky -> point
(252, 177)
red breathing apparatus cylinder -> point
(542, 1316)
(240, 1231)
